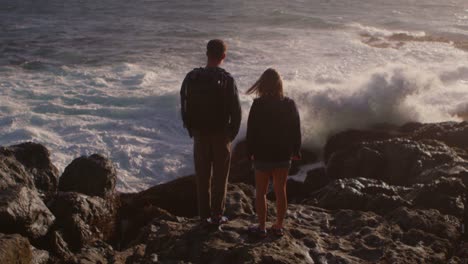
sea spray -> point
(393, 95)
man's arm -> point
(252, 122)
(235, 112)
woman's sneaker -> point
(276, 231)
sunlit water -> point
(103, 76)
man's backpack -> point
(207, 99)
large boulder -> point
(84, 219)
(22, 211)
(452, 134)
(36, 160)
(12, 172)
(178, 197)
(395, 161)
(349, 138)
(94, 176)
(15, 249)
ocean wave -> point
(383, 38)
(393, 95)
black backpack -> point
(207, 99)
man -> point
(211, 113)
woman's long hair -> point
(269, 84)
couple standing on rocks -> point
(211, 113)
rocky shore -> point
(385, 195)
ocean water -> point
(103, 76)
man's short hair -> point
(216, 48)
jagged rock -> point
(36, 160)
(15, 249)
(12, 172)
(98, 252)
(22, 211)
(350, 138)
(39, 256)
(59, 248)
(133, 219)
(239, 201)
(94, 176)
(173, 198)
(313, 235)
(453, 134)
(178, 197)
(396, 161)
(84, 219)
(361, 194)
(429, 221)
(445, 195)
(449, 170)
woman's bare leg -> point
(261, 186)
(279, 181)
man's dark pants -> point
(212, 155)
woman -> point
(273, 139)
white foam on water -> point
(126, 104)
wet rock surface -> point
(36, 160)
(83, 219)
(94, 176)
(395, 161)
(15, 249)
(386, 195)
(22, 211)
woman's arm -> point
(296, 131)
(251, 129)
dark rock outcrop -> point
(444, 194)
(452, 134)
(22, 211)
(178, 197)
(36, 160)
(314, 236)
(12, 172)
(15, 249)
(94, 176)
(388, 195)
(84, 219)
(395, 161)
(361, 194)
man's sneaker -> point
(257, 232)
(217, 220)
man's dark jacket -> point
(226, 98)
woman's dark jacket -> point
(273, 129)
